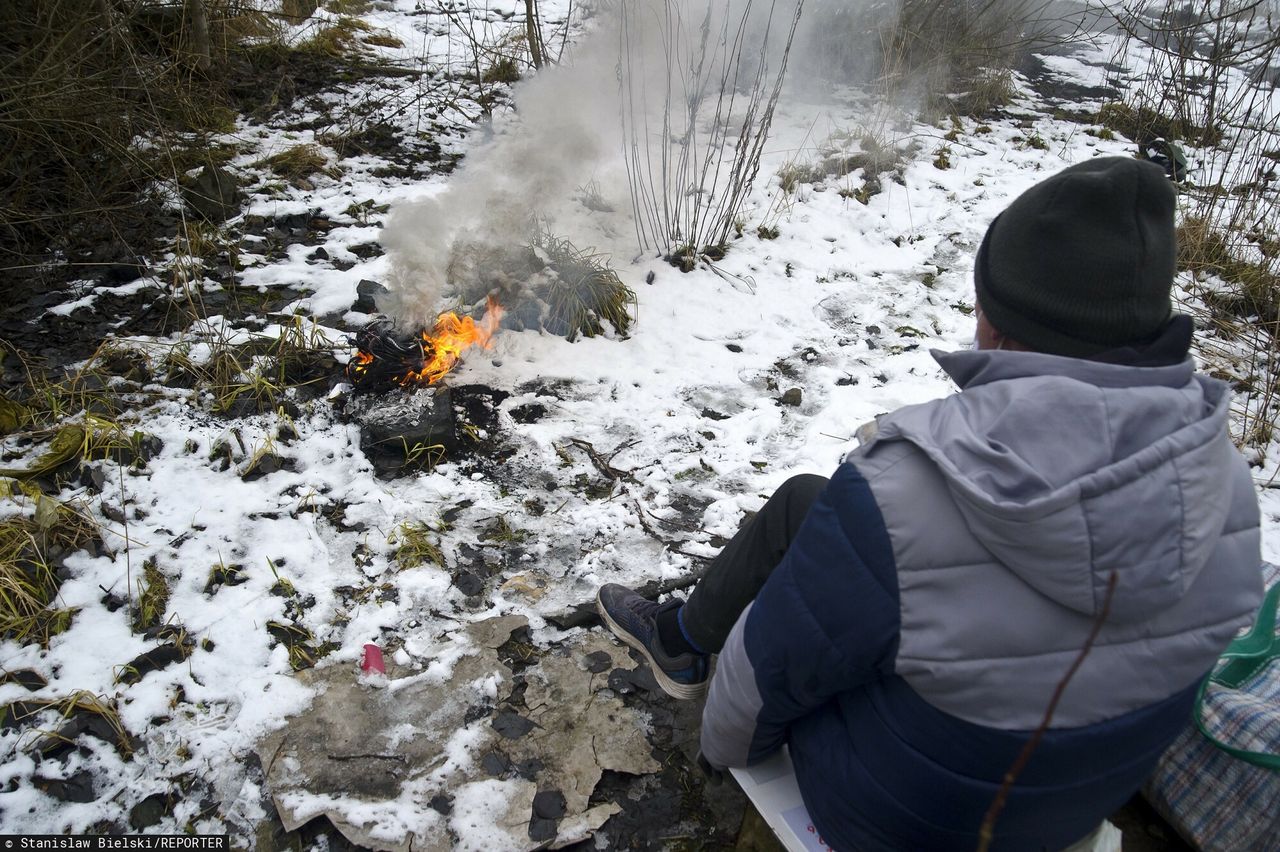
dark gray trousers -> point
(736, 575)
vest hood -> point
(1067, 470)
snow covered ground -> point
(843, 305)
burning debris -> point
(549, 284)
(387, 358)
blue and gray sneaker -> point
(634, 620)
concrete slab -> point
(462, 758)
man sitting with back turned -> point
(903, 626)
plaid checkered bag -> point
(1219, 783)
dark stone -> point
(598, 661)
(548, 809)
(627, 681)
(530, 412)
(18, 713)
(582, 615)
(112, 512)
(620, 681)
(367, 293)
(225, 575)
(469, 584)
(319, 254)
(77, 788)
(712, 414)
(451, 514)
(793, 397)
(873, 329)
(733, 347)
(149, 811)
(28, 679)
(495, 764)
(441, 803)
(93, 477)
(529, 769)
(268, 464)
(294, 222)
(365, 251)
(152, 661)
(542, 830)
(476, 712)
(549, 804)
(213, 194)
(511, 725)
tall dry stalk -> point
(695, 120)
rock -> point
(18, 713)
(367, 293)
(469, 584)
(549, 804)
(318, 254)
(511, 725)
(152, 661)
(28, 679)
(733, 347)
(214, 194)
(495, 764)
(529, 412)
(542, 829)
(149, 811)
(93, 477)
(112, 512)
(597, 662)
(793, 397)
(77, 787)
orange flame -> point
(444, 344)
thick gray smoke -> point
(560, 161)
(555, 162)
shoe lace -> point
(644, 608)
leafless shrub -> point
(1207, 73)
(694, 127)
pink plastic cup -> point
(371, 662)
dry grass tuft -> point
(300, 161)
(414, 546)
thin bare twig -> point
(987, 832)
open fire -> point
(385, 358)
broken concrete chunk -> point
(492, 632)
(409, 767)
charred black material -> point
(384, 356)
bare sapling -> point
(695, 125)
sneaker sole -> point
(682, 691)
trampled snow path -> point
(844, 305)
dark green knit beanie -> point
(1082, 262)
